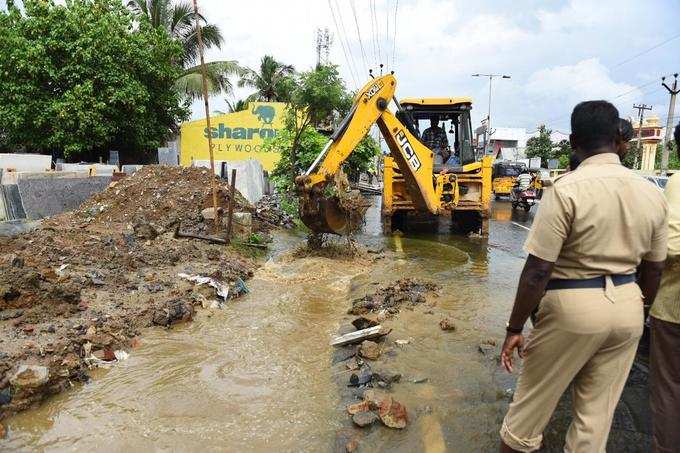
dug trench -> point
(77, 292)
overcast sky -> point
(557, 52)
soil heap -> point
(81, 286)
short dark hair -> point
(594, 124)
(625, 130)
(676, 135)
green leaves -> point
(82, 79)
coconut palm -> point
(179, 20)
(273, 81)
(236, 106)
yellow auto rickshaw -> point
(504, 177)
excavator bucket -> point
(333, 214)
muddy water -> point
(256, 376)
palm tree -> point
(273, 82)
(236, 106)
(179, 20)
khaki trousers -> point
(665, 386)
(587, 337)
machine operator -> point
(434, 137)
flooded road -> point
(257, 376)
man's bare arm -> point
(532, 283)
(650, 278)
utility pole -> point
(204, 79)
(641, 115)
(488, 130)
(323, 46)
(669, 122)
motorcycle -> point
(524, 198)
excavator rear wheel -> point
(466, 222)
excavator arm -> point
(323, 213)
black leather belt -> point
(595, 282)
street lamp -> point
(488, 117)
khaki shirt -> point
(598, 220)
(667, 303)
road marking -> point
(521, 226)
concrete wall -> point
(249, 176)
(100, 169)
(43, 197)
(25, 162)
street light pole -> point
(488, 117)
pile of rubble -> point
(363, 352)
(269, 213)
(75, 292)
(390, 298)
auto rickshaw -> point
(504, 177)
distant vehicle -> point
(659, 181)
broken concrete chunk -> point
(363, 419)
(358, 407)
(447, 324)
(393, 414)
(376, 398)
(362, 323)
(30, 376)
(360, 335)
(369, 350)
(10, 313)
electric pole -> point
(488, 130)
(669, 122)
(323, 46)
(641, 114)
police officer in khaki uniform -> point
(595, 226)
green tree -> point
(236, 106)
(310, 144)
(541, 146)
(673, 158)
(562, 152)
(272, 82)
(179, 20)
(82, 78)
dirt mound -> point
(161, 196)
(85, 282)
(391, 297)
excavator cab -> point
(452, 116)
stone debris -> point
(370, 350)
(363, 419)
(29, 376)
(392, 297)
(377, 404)
(269, 214)
(447, 324)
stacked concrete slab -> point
(249, 176)
(47, 196)
(36, 195)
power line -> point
(377, 32)
(655, 46)
(642, 95)
(387, 35)
(349, 47)
(394, 26)
(342, 44)
(361, 44)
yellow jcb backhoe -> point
(413, 184)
